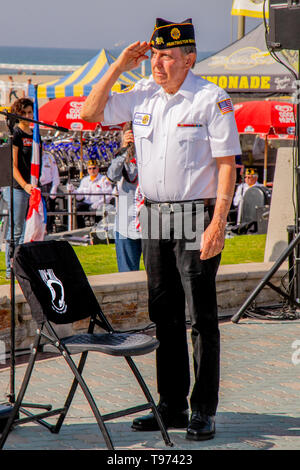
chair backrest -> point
(54, 283)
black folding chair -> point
(58, 292)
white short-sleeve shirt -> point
(94, 189)
(177, 137)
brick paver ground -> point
(259, 397)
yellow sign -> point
(252, 8)
(240, 82)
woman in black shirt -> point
(22, 150)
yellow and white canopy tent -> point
(80, 82)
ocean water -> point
(58, 56)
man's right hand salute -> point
(132, 56)
(129, 59)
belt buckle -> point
(165, 207)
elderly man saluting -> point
(186, 141)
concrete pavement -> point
(259, 405)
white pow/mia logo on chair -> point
(56, 288)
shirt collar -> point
(186, 89)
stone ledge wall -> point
(123, 297)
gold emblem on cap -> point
(250, 172)
(159, 40)
(175, 33)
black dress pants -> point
(50, 206)
(177, 276)
(81, 207)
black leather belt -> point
(178, 206)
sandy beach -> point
(19, 80)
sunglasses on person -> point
(92, 168)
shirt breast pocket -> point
(143, 139)
(194, 144)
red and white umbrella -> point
(65, 112)
(270, 119)
(265, 117)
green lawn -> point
(244, 249)
(101, 259)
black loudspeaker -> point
(284, 25)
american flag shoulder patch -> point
(225, 106)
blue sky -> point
(93, 24)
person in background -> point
(12, 91)
(25, 92)
(90, 197)
(49, 181)
(22, 152)
(186, 140)
(123, 171)
(251, 179)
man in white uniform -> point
(90, 192)
(251, 177)
(186, 141)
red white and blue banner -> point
(35, 159)
(37, 214)
(36, 217)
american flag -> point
(225, 106)
(36, 219)
(37, 215)
(35, 158)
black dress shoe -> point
(171, 419)
(201, 427)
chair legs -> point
(78, 380)
(21, 394)
(62, 412)
(71, 394)
(150, 400)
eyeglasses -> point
(92, 168)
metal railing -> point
(72, 211)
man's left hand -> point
(212, 241)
